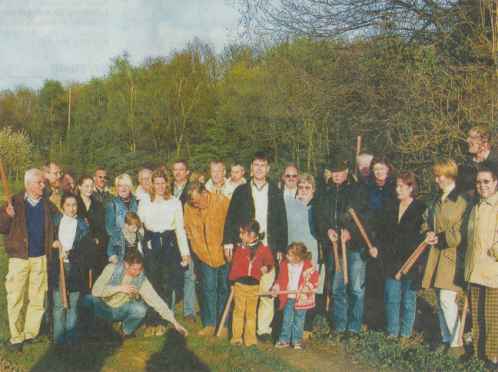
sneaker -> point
(206, 331)
(281, 345)
(298, 346)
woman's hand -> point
(374, 252)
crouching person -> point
(123, 293)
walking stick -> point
(90, 279)
(344, 259)
(358, 223)
(464, 315)
(225, 313)
(335, 249)
(358, 150)
(62, 280)
(406, 267)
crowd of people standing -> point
(132, 256)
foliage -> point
(15, 151)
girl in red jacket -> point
(250, 260)
(296, 274)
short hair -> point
(192, 187)
(160, 174)
(133, 257)
(260, 155)
(382, 159)
(299, 250)
(237, 164)
(68, 195)
(181, 161)
(99, 168)
(364, 156)
(83, 178)
(217, 161)
(409, 179)
(447, 168)
(132, 219)
(483, 131)
(124, 179)
(488, 169)
(31, 174)
(307, 178)
(142, 171)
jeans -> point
(447, 312)
(293, 323)
(398, 293)
(189, 294)
(131, 313)
(214, 284)
(348, 300)
(65, 320)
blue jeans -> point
(400, 297)
(214, 284)
(293, 323)
(189, 294)
(65, 320)
(349, 300)
(131, 313)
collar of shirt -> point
(492, 200)
(447, 191)
(259, 188)
(30, 200)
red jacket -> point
(308, 280)
(242, 265)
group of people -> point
(133, 255)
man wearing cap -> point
(333, 221)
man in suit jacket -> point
(263, 201)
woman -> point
(444, 263)
(301, 228)
(93, 213)
(115, 212)
(481, 267)
(399, 235)
(166, 253)
(381, 186)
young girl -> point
(250, 260)
(297, 273)
(72, 243)
(132, 237)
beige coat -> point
(481, 265)
(444, 267)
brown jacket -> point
(444, 267)
(16, 241)
(204, 229)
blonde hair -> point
(307, 178)
(124, 179)
(299, 250)
(447, 168)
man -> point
(27, 222)
(264, 202)
(335, 222)
(122, 293)
(144, 184)
(68, 183)
(218, 183)
(289, 181)
(181, 174)
(363, 162)
(481, 267)
(480, 153)
(237, 172)
(205, 214)
(102, 194)
(52, 174)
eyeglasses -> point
(305, 187)
(291, 176)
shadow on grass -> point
(175, 356)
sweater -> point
(247, 262)
(34, 223)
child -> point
(73, 244)
(250, 260)
(132, 237)
(297, 273)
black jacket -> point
(242, 211)
(398, 240)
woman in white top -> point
(166, 253)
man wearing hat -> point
(343, 193)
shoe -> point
(236, 342)
(32, 341)
(335, 337)
(224, 332)
(307, 335)
(491, 365)
(190, 319)
(392, 338)
(206, 331)
(265, 337)
(15, 348)
(281, 345)
(298, 346)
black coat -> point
(398, 240)
(95, 218)
(242, 211)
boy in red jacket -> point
(297, 274)
(250, 261)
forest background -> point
(306, 78)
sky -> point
(75, 40)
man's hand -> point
(431, 238)
(57, 245)
(228, 250)
(185, 261)
(128, 289)
(9, 209)
(374, 252)
(113, 259)
(180, 329)
(332, 235)
(345, 235)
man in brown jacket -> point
(27, 222)
(205, 214)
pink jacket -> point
(307, 281)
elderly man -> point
(27, 222)
(218, 183)
(205, 214)
(289, 181)
(52, 174)
(237, 172)
(144, 184)
(123, 293)
(363, 162)
(102, 193)
(264, 202)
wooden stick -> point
(344, 259)
(406, 267)
(360, 227)
(284, 292)
(335, 249)
(5, 182)
(225, 313)
(464, 316)
(90, 279)
(358, 151)
(62, 280)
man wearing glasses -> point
(289, 181)
(52, 174)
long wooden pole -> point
(358, 223)
(62, 280)
(335, 250)
(345, 271)
(464, 315)
(358, 151)
(406, 267)
(225, 313)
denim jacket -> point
(115, 212)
